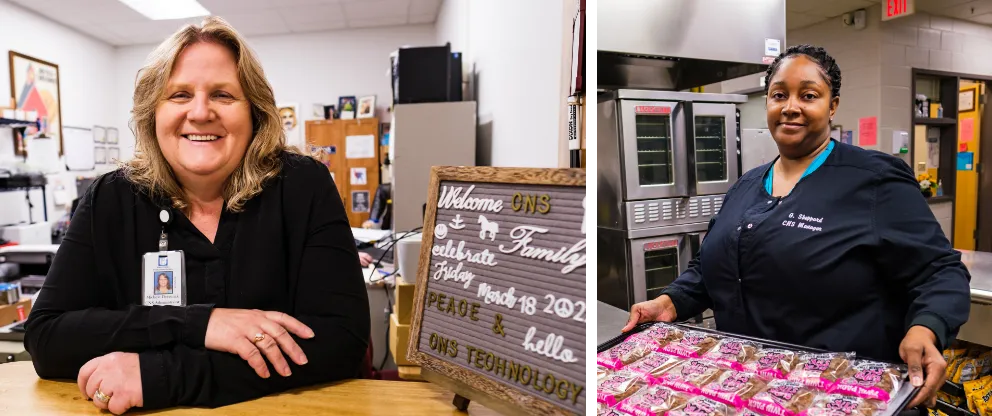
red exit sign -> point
(897, 8)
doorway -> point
(983, 152)
(967, 157)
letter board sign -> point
(500, 301)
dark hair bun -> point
(828, 66)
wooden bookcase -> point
(327, 140)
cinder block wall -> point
(876, 63)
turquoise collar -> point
(812, 167)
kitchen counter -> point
(939, 199)
(609, 320)
(980, 266)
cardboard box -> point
(19, 311)
(404, 302)
(399, 338)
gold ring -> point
(100, 396)
(258, 338)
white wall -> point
(514, 48)
(302, 68)
(86, 78)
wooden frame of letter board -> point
(460, 381)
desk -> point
(23, 393)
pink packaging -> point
(821, 371)
(840, 405)
(690, 375)
(653, 366)
(663, 333)
(693, 344)
(732, 353)
(618, 386)
(702, 406)
(653, 401)
(782, 398)
(772, 363)
(870, 380)
(734, 388)
(630, 350)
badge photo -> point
(163, 279)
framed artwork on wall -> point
(346, 107)
(966, 100)
(34, 86)
(366, 107)
(289, 113)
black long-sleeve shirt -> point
(848, 261)
(291, 250)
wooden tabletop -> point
(23, 393)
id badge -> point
(163, 278)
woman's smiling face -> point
(799, 104)
(204, 123)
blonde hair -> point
(149, 169)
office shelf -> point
(929, 121)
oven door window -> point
(661, 268)
(654, 149)
(711, 148)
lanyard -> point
(165, 217)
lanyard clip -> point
(163, 240)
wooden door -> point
(325, 141)
(356, 177)
(361, 165)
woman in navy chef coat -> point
(830, 246)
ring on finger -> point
(259, 337)
(101, 397)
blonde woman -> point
(272, 273)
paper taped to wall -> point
(359, 147)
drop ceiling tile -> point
(422, 19)
(378, 22)
(800, 6)
(373, 10)
(238, 6)
(984, 19)
(317, 26)
(154, 31)
(254, 24)
(838, 7)
(800, 20)
(421, 7)
(968, 10)
(309, 14)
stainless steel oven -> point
(642, 263)
(676, 144)
(665, 158)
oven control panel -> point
(672, 211)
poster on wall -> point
(359, 201)
(289, 113)
(359, 176)
(34, 86)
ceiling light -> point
(167, 9)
